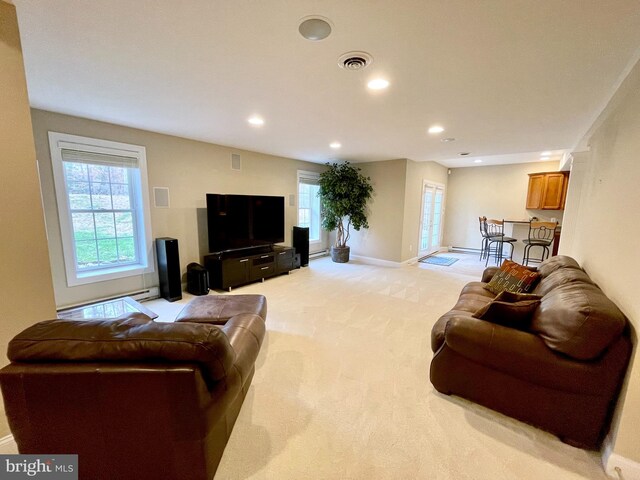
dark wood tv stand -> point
(233, 268)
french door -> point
(431, 218)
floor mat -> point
(444, 261)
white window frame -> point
(316, 177)
(145, 264)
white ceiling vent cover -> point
(236, 163)
(355, 60)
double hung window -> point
(103, 207)
(309, 204)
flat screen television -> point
(242, 221)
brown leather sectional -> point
(563, 374)
(135, 399)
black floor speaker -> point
(169, 268)
(301, 244)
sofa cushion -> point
(512, 297)
(578, 320)
(509, 309)
(552, 264)
(514, 278)
(561, 276)
(122, 340)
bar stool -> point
(495, 231)
(541, 234)
(485, 236)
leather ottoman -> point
(217, 309)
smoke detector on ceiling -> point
(355, 60)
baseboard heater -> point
(139, 296)
(464, 250)
(322, 253)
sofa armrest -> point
(488, 273)
(523, 355)
(245, 333)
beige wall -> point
(190, 169)
(607, 229)
(417, 172)
(383, 239)
(394, 213)
(25, 281)
(494, 191)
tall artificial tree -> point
(344, 193)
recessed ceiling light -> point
(477, 160)
(448, 139)
(256, 121)
(315, 28)
(335, 145)
(378, 84)
(436, 129)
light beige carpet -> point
(342, 387)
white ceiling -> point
(502, 76)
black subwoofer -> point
(301, 244)
(169, 268)
(197, 279)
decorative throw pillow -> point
(513, 310)
(513, 278)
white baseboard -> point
(5, 440)
(411, 261)
(377, 261)
(628, 469)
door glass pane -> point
(427, 206)
(437, 219)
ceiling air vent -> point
(355, 60)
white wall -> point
(607, 230)
(190, 169)
(25, 277)
(494, 191)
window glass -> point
(101, 214)
(309, 209)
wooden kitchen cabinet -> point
(547, 190)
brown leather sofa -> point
(562, 374)
(135, 399)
